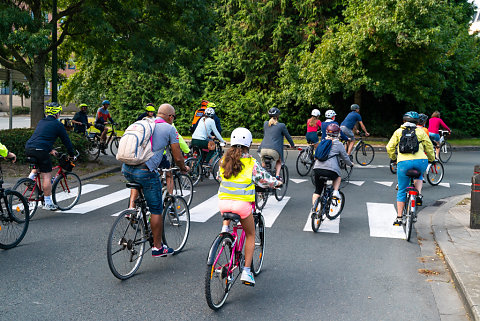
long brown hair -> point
(273, 121)
(312, 121)
(231, 163)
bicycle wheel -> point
(435, 173)
(218, 279)
(93, 149)
(216, 169)
(304, 163)
(393, 167)
(195, 169)
(29, 189)
(364, 154)
(445, 152)
(346, 172)
(335, 206)
(14, 219)
(259, 252)
(114, 145)
(408, 225)
(261, 197)
(280, 192)
(176, 223)
(316, 216)
(66, 190)
(126, 245)
(183, 187)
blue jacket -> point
(324, 130)
(46, 133)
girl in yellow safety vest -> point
(239, 173)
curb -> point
(454, 257)
(110, 169)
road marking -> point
(328, 226)
(85, 189)
(100, 202)
(380, 221)
(444, 184)
(358, 183)
(465, 184)
(372, 166)
(203, 211)
(272, 209)
(384, 183)
(298, 180)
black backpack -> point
(408, 142)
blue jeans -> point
(151, 185)
(403, 179)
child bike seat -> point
(231, 216)
(413, 173)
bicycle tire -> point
(346, 172)
(334, 211)
(364, 154)
(93, 149)
(217, 284)
(216, 170)
(126, 243)
(66, 190)
(183, 187)
(114, 145)
(316, 216)
(435, 173)
(304, 165)
(24, 187)
(14, 219)
(445, 152)
(280, 192)
(408, 226)
(195, 169)
(259, 251)
(176, 223)
(393, 167)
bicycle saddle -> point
(414, 173)
(134, 185)
(231, 216)
(31, 159)
(323, 178)
(268, 158)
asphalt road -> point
(60, 271)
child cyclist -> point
(239, 173)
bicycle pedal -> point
(248, 283)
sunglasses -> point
(174, 116)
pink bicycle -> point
(226, 259)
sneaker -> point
(225, 229)
(279, 178)
(50, 207)
(419, 200)
(103, 151)
(162, 252)
(336, 194)
(398, 222)
(247, 278)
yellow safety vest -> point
(240, 187)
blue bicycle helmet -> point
(411, 116)
(105, 102)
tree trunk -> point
(21, 98)
(357, 98)
(37, 86)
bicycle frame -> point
(38, 184)
(237, 250)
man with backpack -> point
(411, 147)
(141, 166)
(326, 162)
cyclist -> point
(239, 173)
(433, 128)
(406, 161)
(330, 168)
(349, 123)
(80, 120)
(103, 115)
(272, 143)
(149, 112)
(330, 119)
(7, 154)
(146, 174)
(202, 135)
(215, 117)
(40, 146)
(422, 120)
(313, 124)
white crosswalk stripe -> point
(328, 226)
(203, 211)
(85, 189)
(298, 180)
(444, 184)
(272, 209)
(103, 201)
(465, 184)
(358, 183)
(380, 221)
(384, 183)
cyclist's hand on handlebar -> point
(367, 134)
(186, 170)
(222, 144)
(53, 152)
(12, 156)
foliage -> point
(18, 110)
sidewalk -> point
(450, 220)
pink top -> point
(434, 125)
(313, 128)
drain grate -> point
(438, 203)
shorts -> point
(242, 208)
(348, 132)
(319, 172)
(403, 179)
(312, 137)
(44, 162)
(100, 127)
(151, 185)
(434, 137)
(269, 152)
(165, 162)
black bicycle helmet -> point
(354, 107)
(422, 118)
(274, 112)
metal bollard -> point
(475, 204)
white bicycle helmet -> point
(330, 114)
(316, 113)
(209, 112)
(241, 136)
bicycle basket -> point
(66, 164)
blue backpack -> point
(323, 150)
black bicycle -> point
(14, 218)
(326, 206)
(262, 194)
(364, 153)
(409, 214)
(94, 145)
(199, 169)
(446, 150)
(305, 160)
